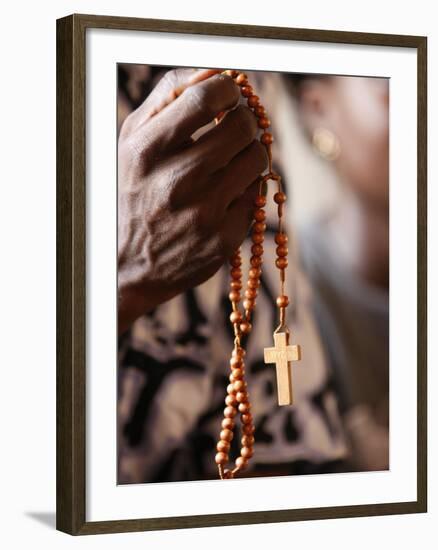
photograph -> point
(252, 273)
(216, 223)
(241, 249)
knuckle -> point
(132, 149)
(128, 148)
(170, 79)
(181, 76)
(176, 78)
(200, 99)
(139, 148)
(212, 94)
(126, 126)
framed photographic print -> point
(241, 274)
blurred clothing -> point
(353, 319)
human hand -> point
(184, 205)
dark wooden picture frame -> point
(71, 271)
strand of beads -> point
(279, 197)
(282, 252)
(237, 399)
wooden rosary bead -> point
(221, 458)
(281, 238)
(234, 378)
(241, 462)
(238, 352)
(231, 72)
(256, 261)
(257, 238)
(253, 101)
(281, 263)
(247, 441)
(237, 374)
(248, 429)
(245, 327)
(230, 412)
(230, 388)
(257, 249)
(238, 368)
(234, 296)
(282, 250)
(244, 408)
(241, 397)
(267, 138)
(231, 400)
(236, 361)
(235, 317)
(280, 197)
(246, 418)
(236, 261)
(223, 446)
(241, 79)
(236, 273)
(249, 304)
(228, 424)
(251, 293)
(246, 452)
(253, 283)
(239, 385)
(264, 122)
(282, 301)
(255, 272)
(260, 111)
(236, 285)
(246, 91)
(260, 201)
(259, 227)
(260, 215)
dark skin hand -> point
(184, 205)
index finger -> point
(169, 87)
(195, 107)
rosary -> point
(237, 399)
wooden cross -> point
(282, 354)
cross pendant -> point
(282, 355)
